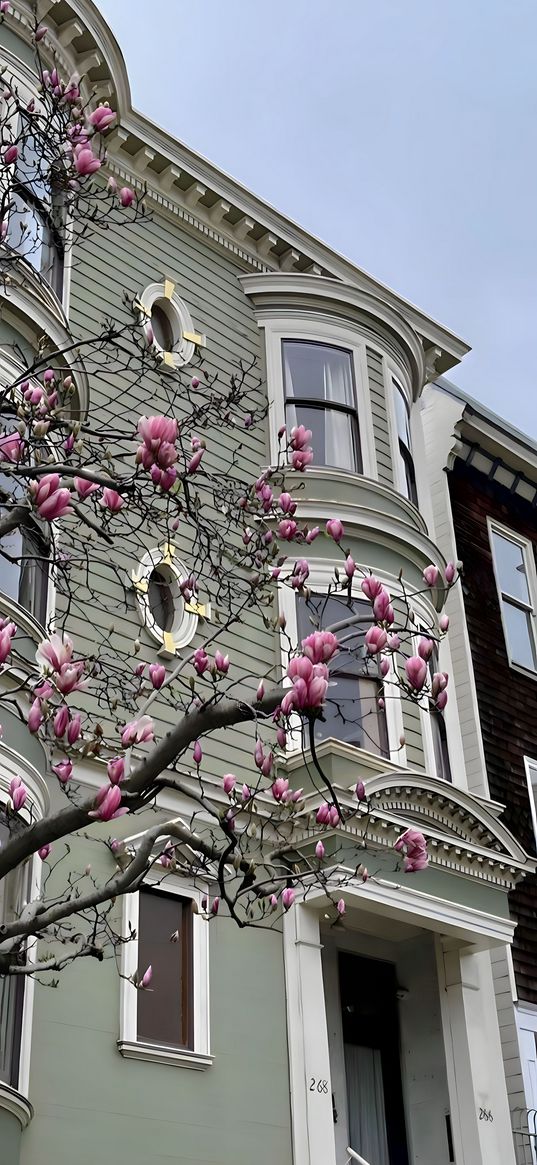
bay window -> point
(514, 569)
(438, 730)
(11, 986)
(406, 474)
(320, 393)
(351, 712)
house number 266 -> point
(318, 1085)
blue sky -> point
(403, 134)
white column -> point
(474, 1061)
(307, 1034)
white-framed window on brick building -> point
(516, 580)
(531, 777)
(169, 1022)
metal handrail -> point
(356, 1157)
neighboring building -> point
(284, 1047)
(486, 510)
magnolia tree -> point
(87, 492)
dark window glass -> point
(24, 573)
(160, 598)
(402, 416)
(162, 327)
(351, 712)
(11, 987)
(36, 217)
(438, 729)
(320, 394)
(165, 1013)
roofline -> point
(476, 409)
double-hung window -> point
(36, 215)
(11, 986)
(438, 730)
(25, 551)
(320, 393)
(514, 569)
(406, 475)
(167, 1022)
(351, 712)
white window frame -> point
(185, 623)
(529, 764)
(320, 577)
(528, 554)
(318, 330)
(129, 1045)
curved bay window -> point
(438, 730)
(11, 986)
(351, 711)
(36, 214)
(320, 393)
(407, 474)
(24, 567)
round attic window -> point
(161, 606)
(169, 319)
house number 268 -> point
(318, 1085)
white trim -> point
(185, 623)
(199, 1055)
(180, 321)
(14, 1102)
(530, 764)
(528, 556)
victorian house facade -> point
(402, 1037)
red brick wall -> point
(507, 699)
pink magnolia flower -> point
(300, 437)
(281, 737)
(195, 461)
(84, 488)
(288, 897)
(322, 816)
(320, 646)
(4, 6)
(35, 716)
(375, 640)
(157, 674)
(85, 162)
(371, 587)
(221, 662)
(197, 753)
(382, 608)
(425, 648)
(449, 573)
(6, 635)
(350, 566)
(102, 118)
(287, 504)
(146, 978)
(200, 660)
(341, 906)
(44, 852)
(334, 529)
(15, 783)
(443, 623)
(431, 575)
(301, 458)
(360, 791)
(74, 730)
(195, 382)
(313, 534)
(279, 788)
(138, 731)
(116, 770)
(228, 783)
(61, 720)
(414, 846)
(384, 666)
(11, 447)
(287, 529)
(260, 690)
(108, 804)
(126, 196)
(394, 642)
(51, 500)
(69, 678)
(439, 683)
(441, 700)
(11, 155)
(319, 851)
(18, 797)
(416, 672)
(63, 770)
(111, 500)
(215, 905)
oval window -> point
(161, 599)
(163, 326)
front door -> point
(372, 1060)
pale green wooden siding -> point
(127, 260)
(380, 418)
(413, 737)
